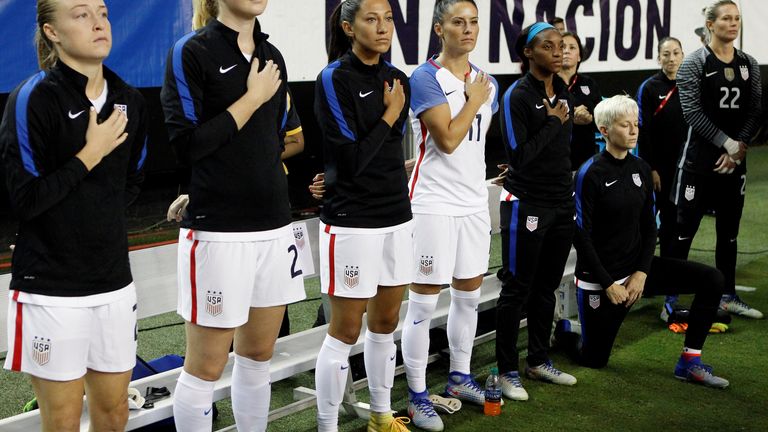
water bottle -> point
(492, 405)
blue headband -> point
(536, 29)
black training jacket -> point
(365, 181)
(237, 179)
(663, 129)
(72, 233)
(538, 145)
(615, 218)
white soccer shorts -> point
(60, 343)
(354, 262)
(220, 279)
(447, 247)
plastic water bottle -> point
(492, 406)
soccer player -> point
(586, 94)
(536, 208)
(615, 241)
(73, 140)
(366, 250)
(720, 95)
(224, 98)
(452, 103)
(663, 132)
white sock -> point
(251, 391)
(462, 324)
(415, 341)
(379, 353)
(193, 404)
(330, 379)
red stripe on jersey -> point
(331, 263)
(434, 63)
(193, 281)
(16, 364)
(509, 197)
(327, 229)
(422, 151)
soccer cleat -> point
(697, 372)
(463, 387)
(386, 422)
(422, 412)
(666, 311)
(512, 388)
(735, 305)
(669, 308)
(548, 373)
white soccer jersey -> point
(448, 184)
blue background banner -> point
(142, 33)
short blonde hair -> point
(608, 110)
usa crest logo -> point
(594, 301)
(214, 303)
(636, 179)
(690, 192)
(425, 265)
(351, 276)
(122, 108)
(298, 236)
(41, 350)
(585, 90)
(744, 72)
(531, 223)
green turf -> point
(635, 392)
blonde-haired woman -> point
(224, 98)
(73, 145)
(720, 95)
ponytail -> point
(520, 45)
(46, 51)
(203, 12)
(340, 43)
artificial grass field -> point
(635, 392)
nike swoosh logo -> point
(710, 74)
(391, 358)
(450, 93)
(223, 70)
(610, 184)
(208, 411)
(539, 106)
(415, 322)
(345, 367)
(362, 95)
(683, 238)
(662, 96)
(74, 116)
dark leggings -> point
(536, 242)
(600, 319)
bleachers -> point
(154, 271)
